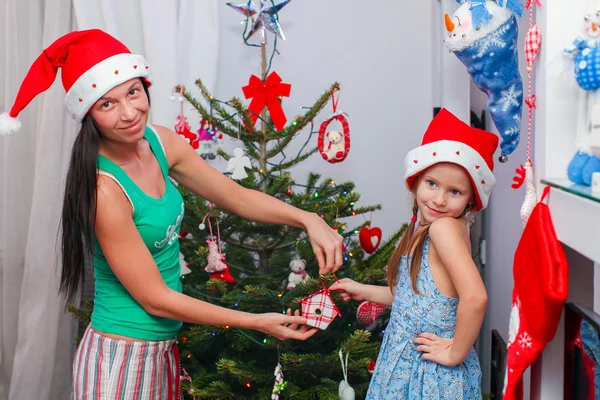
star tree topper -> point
(267, 17)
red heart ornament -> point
(369, 238)
(368, 312)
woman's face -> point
(444, 190)
(122, 113)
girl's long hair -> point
(79, 206)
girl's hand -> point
(326, 244)
(284, 327)
(349, 289)
(436, 349)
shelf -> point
(576, 216)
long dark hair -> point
(79, 206)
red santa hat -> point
(92, 63)
(450, 140)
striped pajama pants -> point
(112, 369)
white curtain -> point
(180, 41)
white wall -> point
(381, 54)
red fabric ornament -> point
(338, 146)
(182, 233)
(371, 366)
(541, 276)
(368, 312)
(369, 239)
(224, 276)
(267, 94)
(319, 309)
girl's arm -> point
(350, 289)
(199, 177)
(135, 268)
(447, 237)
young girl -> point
(436, 293)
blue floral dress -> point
(400, 373)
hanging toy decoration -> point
(319, 309)
(216, 264)
(280, 384)
(298, 274)
(338, 144)
(368, 312)
(345, 391)
(238, 163)
(369, 238)
(267, 94)
(483, 35)
(533, 41)
(183, 127)
(207, 138)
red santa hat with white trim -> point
(450, 140)
(92, 63)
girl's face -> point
(443, 190)
(122, 113)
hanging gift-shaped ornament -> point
(207, 141)
(267, 94)
(319, 309)
(183, 127)
(338, 143)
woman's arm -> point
(199, 177)
(447, 237)
(135, 268)
(349, 289)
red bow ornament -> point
(267, 94)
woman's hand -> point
(349, 289)
(284, 327)
(436, 349)
(326, 244)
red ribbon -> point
(530, 101)
(537, 3)
(267, 94)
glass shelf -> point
(570, 187)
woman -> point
(122, 212)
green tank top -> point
(158, 222)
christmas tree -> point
(228, 363)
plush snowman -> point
(584, 53)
